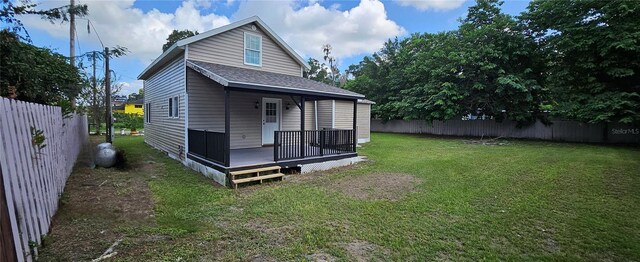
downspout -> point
(186, 106)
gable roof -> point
(179, 46)
(243, 78)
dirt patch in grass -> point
(321, 257)
(376, 186)
(364, 251)
(277, 235)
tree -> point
(593, 56)
(176, 36)
(334, 72)
(9, 12)
(35, 74)
(95, 105)
(317, 71)
(486, 67)
(135, 96)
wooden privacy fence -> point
(38, 148)
(559, 130)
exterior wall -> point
(364, 123)
(325, 114)
(206, 111)
(131, 109)
(164, 133)
(309, 116)
(343, 114)
(228, 49)
(344, 117)
(206, 102)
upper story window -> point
(252, 49)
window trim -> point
(244, 51)
(147, 113)
(171, 103)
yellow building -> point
(135, 107)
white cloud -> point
(119, 23)
(440, 5)
(304, 24)
(130, 87)
(361, 29)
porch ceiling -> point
(243, 78)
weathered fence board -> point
(34, 178)
(559, 130)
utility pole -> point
(94, 104)
(107, 95)
(72, 43)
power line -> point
(89, 23)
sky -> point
(353, 28)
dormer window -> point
(252, 49)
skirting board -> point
(307, 168)
(216, 175)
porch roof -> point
(243, 78)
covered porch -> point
(241, 118)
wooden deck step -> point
(251, 171)
(255, 178)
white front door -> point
(271, 110)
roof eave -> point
(174, 50)
(282, 89)
(282, 43)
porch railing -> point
(207, 144)
(288, 144)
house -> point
(135, 107)
(232, 102)
(118, 100)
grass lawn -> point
(521, 201)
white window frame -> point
(244, 51)
(147, 112)
(174, 107)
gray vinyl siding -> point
(364, 121)
(206, 111)
(162, 132)
(206, 102)
(309, 116)
(344, 114)
(228, 49)
(325, 111)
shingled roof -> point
(266, 81)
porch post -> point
(355, 121)
(227, 127)
(302, 146)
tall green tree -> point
(487, 66)
(176, 36)
(317, 71)
(35, 74)
(592, 50)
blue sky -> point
(353, 28)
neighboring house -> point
(135, 107)
(118, 100)
(233, 99)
